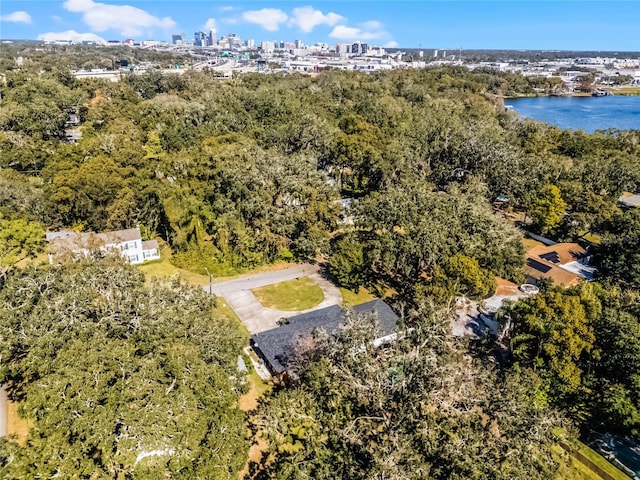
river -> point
(584, 113)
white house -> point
(128, 243)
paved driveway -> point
(253, 315)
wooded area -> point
(244, 172)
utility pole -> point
(210, 281)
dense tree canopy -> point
(417, 409)
(118, 378)
(122, 378)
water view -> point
(584, 113)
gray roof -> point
(274, 345)
(149, 244)
(630, 200)
(79, 240)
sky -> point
(517, 24)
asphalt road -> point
(261, 279)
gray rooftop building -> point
(276, 345)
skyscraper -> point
(213, 37)
(179, 39)
(200, 39)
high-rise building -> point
(359, 48)
(200, 39)
(267, 47)
(251, 43)
(179, 39)
(213, 37)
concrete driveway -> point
(253, 315)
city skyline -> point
(573, 25)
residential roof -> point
(274, 345)
(629, 200)
(149, 244)
(78, 240)
(559, 262)
(559, 253)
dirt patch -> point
(16, 425)
(505, 287)
(257, 449)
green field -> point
(351, 298)
(163, 268)
(602, 462)
(293, 295)
(571, 468)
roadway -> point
(252, 313)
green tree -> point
(347, 262)
(19, 239)
(154, 394)
(418, 408)
(618, 257)
(553, 332)
(547, 209)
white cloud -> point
(70, 35)
(56, 18)
(391, 44)
(268, 18)
(372, 25)
(129, 21)
(306, 18)
(343, 32)
(210, 24)
(226, 8)
(16, 17)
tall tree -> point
(119, 379)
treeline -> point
(37, 56)
(245, 172)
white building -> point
(127, 243)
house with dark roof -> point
(565, 263)
(127, 243)
(276, 345)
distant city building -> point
(213, 37)
(343, 48)
(200, 39)
(267, 47)
(179, 39)
(359, 48)
(251, 43)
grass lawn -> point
(602, 462)
(626, 90)
(573, 469)
(16, 425)
(351, 298)
(163, 268)
(530, 243)
(257, 388)
(293, 295)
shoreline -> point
(632, 92)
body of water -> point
(582, 113)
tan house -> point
(565, 263)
